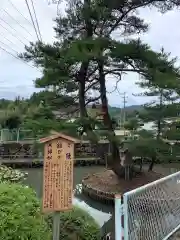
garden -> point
(22, 218)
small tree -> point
(40, 119)
(149, 147)
(133, 124)
(11, 119)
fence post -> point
(18, 131)
(1, 135)
(125, 203)
(118, 218)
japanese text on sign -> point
(58, 178)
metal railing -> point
(16, 135)
(150, 212)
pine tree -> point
(163, 90)
(85, 54)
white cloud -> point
(16, 77)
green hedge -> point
(77, 224)
(20, 216)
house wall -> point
(122, 132)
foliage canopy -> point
(85, 54)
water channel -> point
(102, 213)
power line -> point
(18, 22)
(13, 29)
(27, 4)
(36, 20)
(20, 12)
(15, 56)
(7, 39)
(12, 34)
(8, 47)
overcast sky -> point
(16, 77)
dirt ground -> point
(107, 181)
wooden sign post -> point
(58, 176)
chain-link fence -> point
(151, 212)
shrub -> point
(20, 216)
(8, 174)
(77, 224)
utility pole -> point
(159, 122)
(124, 107)
(123, 111)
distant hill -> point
(115, 111)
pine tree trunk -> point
(153, 159)
(81, 77)
(114, 162)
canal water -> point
(100, 212)
(103, 214)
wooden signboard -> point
(58, 173)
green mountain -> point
(130, 110)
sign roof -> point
(59, 135)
